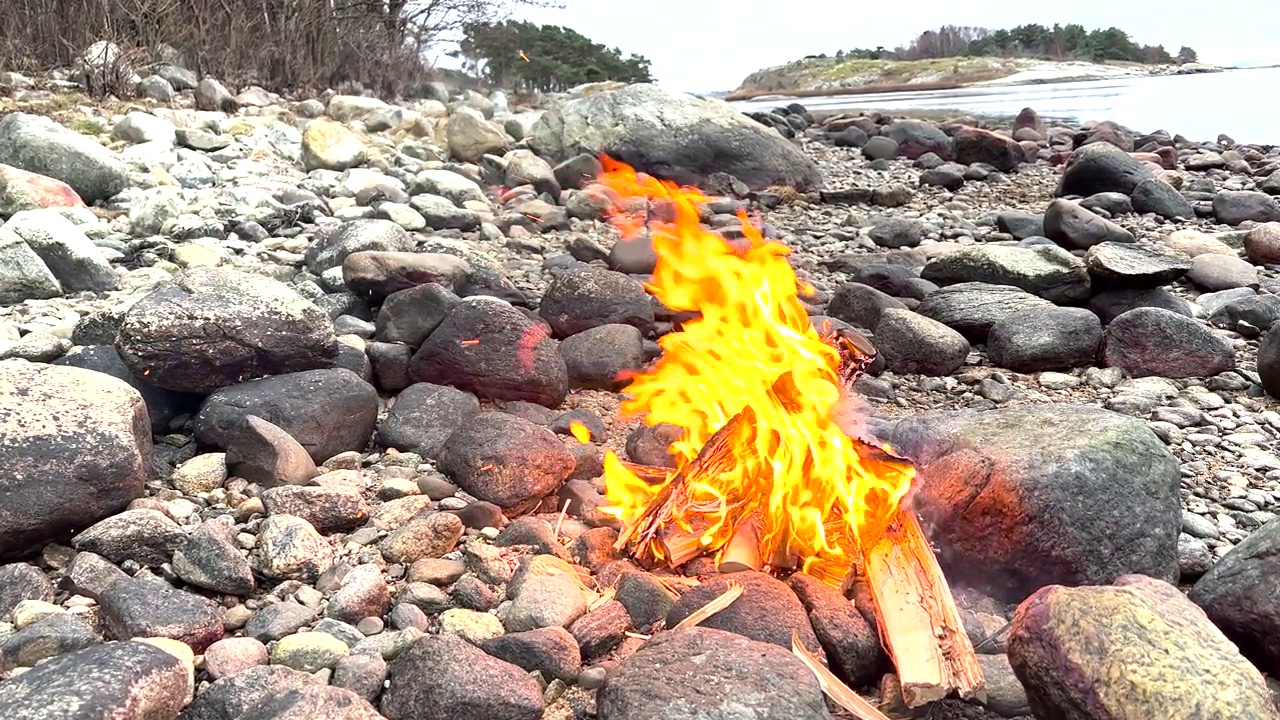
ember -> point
(765, 475)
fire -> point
(580, 432)
(813, 493)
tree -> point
(550, 58)
(1187, 55)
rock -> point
(424, 416)
(230, 656)
(506, 460)
(1152, 341)
(1005, 694)
(327, 508)
(75, 447)
(525, 168)
(1077, 228)
(444, 676)
(912, 343)
(1230, 207)
(880, 147)
(379, 274)
(263, 453)
(584, 298)
(410, 316)
(686, 141)
(128, 679)
(505, 357)
(767, 611)
(471, 136)
(550, 650)
(136, 608)
(72, 258)
(1262, 244)
(327, 411)
(974, 145)
(232, 696)
(701, 673)
(362, 674)
(599, 357)
(48, 635)
(317, 702)
(896, 232)
(430, 535)
(1269, 362)
(439, 213)
(20, 582)
(23, 275)
(1235, 593)
(289, 548)
(141, 127)
(1048, 271)
(90, 574)
(860, 305)
(1020, 225)
(1222, 272)
(210, 558)
(917, 137)
(371, 235)
(1136, 650)
(1193, 243)
(278, 620)
(1159, 197)
(329, 145)
(1110, 304)
(1055, 493)
(1044, 339)
(309, 651)
(1112, 203)
(1127, 265)
(21, 190)
(601, 629)
(213, 96)
(37, 144)
(1101, 167)
(201, 474)
(214, 327)
(852, 644)
(974, 308)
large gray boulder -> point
(40, 145)
(1239, 595)
(75, 447)
(1046, 270)
(117, 680)
(673, 136)
(1018, 498)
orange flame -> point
(753, 350)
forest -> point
(1060, 42)
(547, 58)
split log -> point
(918, 619)
(743, 551)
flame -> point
(579, 432)
(752, 350)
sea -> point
(1242, 104)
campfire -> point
(773, 470)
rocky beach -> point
(305, 403)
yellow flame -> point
(580, 432)
(752, 349)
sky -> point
(711, 45)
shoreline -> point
(887, 88)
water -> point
(1239, 103)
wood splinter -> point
(918, 618)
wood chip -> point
(724, 600)
(842, 694)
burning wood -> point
(768, 477)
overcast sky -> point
(709, 45)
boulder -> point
(1077, 228)
(163, 406)
(312, 702)
(487, 347)
(424, 416)
(913, 343)
(579, 299)
(1101, 167)
(137, 608)
(214, 327)
(409, 316)
(1048, 271)
(1261, 243)
(23, 275)
(599, 358)
(701, 673)
(72, 257)
(1044, 339)
(767, 611)
(379, 274)
(1136, 650)
(1238, 595)
(917, 137)
(444, 676)
(75, 447)
(1214, 272)
(375, 235)
(1159, 197)
(329, 145)
(1111, 304)
(37, 144)
(861, 305)
(21, 190)
(975, 145)
(1021, 497)
(973, 308)
(231, 696)
(674, 136)
(470, 136)
(124, 679)
(506, 460)
(1128, 265)
(1233, 207)
(327, 411)
(1153, 341)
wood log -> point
(918, 619)
(743, 551)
